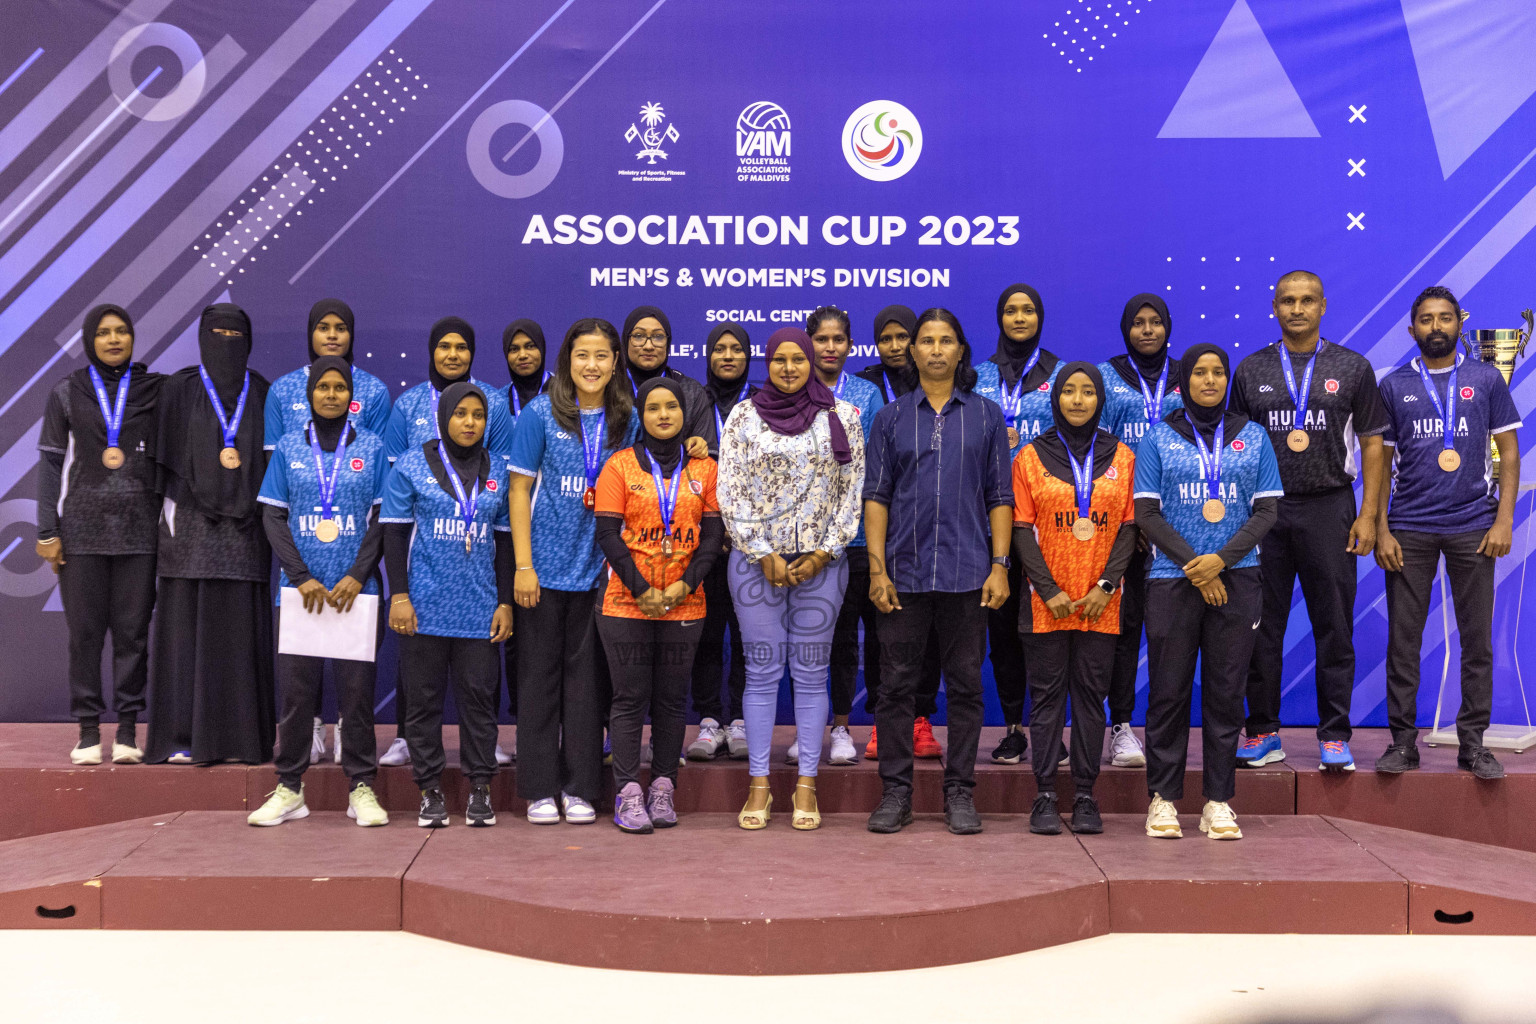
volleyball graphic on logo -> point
(882, 140)
(763, 117)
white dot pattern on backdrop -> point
(1211, 307)
(1088, 28)
(329, 146)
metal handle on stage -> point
(1501, 348)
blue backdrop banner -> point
(556, 159)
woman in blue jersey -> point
(413, 422)
(563, 440)
(332, 332)
(449, 554)
(1207, 489)
(1140, 388)
(1018, 377)
(319, 508)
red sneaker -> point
(923, 743)
(872, 751)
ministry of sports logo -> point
(652, 130)
(762, 143)
(882, 140)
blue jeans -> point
(779, 626)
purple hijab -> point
(794, 414)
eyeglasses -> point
(640, 338)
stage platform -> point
(707, 897)
(44, 793)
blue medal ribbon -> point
(1299, 398)
(592, 447)
(113, 414)
(1153, 403)
(1445, 409)
(466, 502)
(666, 500)
(514, 398)
(1210, 458)
(328, 487)
(230, 426)
(1082, 478)
(1013, 401)
(720, 423)
(842, 382)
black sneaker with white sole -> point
(1480, 762)
(1012, 749)
(434, 809)
(479, 813)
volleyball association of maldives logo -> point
(882, 140)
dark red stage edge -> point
(54, 881)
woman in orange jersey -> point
(659, 526)
(1074, 534)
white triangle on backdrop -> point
(1476, 67)
(1239, 90)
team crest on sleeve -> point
(1331, 386)
(1046, 386)
(357, 465)
(1466, 394)
(1237, 444)
(1112, 473)
(355, 407)
(696, 486)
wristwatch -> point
(1108, 587)
(1002, 560)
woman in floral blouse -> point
(791, 472)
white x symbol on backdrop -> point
(1357, 113)
(1356, 167)
(1356, 220)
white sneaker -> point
(577, 810)
(363, 807)
(1218, 822)
(336, 741)
(1124, 748)
(502, 756)
(1066, 755)
(543, 812)
(86, 755)
(283, 804)
(317, 742)
(126, 753)
(709, 743)
(397, 754)
(1163, 819)
(792, 755)
(736, 740)
(843, 751)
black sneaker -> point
(960, 813)
(1480, 762)
(434, 809)
(1085, 815)
(1044, 820)
(1398, 759)
(1013, 748)
(479, 813)
(893, 814)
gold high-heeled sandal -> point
(803, 820)
(753, 820)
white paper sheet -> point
(330, 634)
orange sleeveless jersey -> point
(625, 488)
(1050, 505)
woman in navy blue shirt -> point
(563, 440)
(444, 503)
(321, 518)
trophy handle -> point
(1461, 336)
(1525, 335)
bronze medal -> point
(1013, 438)
(1297, 440)
(327, 530)
(112, 457)
(229, 458)
(666, 546)
(1450, 460)
(1082, 529)
(1213, 510)
(467, 535)
(589, 498)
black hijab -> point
(318, 312)
(898, 382)
(444, 327)
(467, 461)
(526, 385)
(1204, 418)
(327, 430)
(1011, 355)
(190, 437)
(724, 394)
(138, 425)
(637, 374)
(666, 452)
(1053, 445)
(1134, 367)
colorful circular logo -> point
(882, 140)
(357, 465)
(490, 485)
(1466, 393)
(1238, 445)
